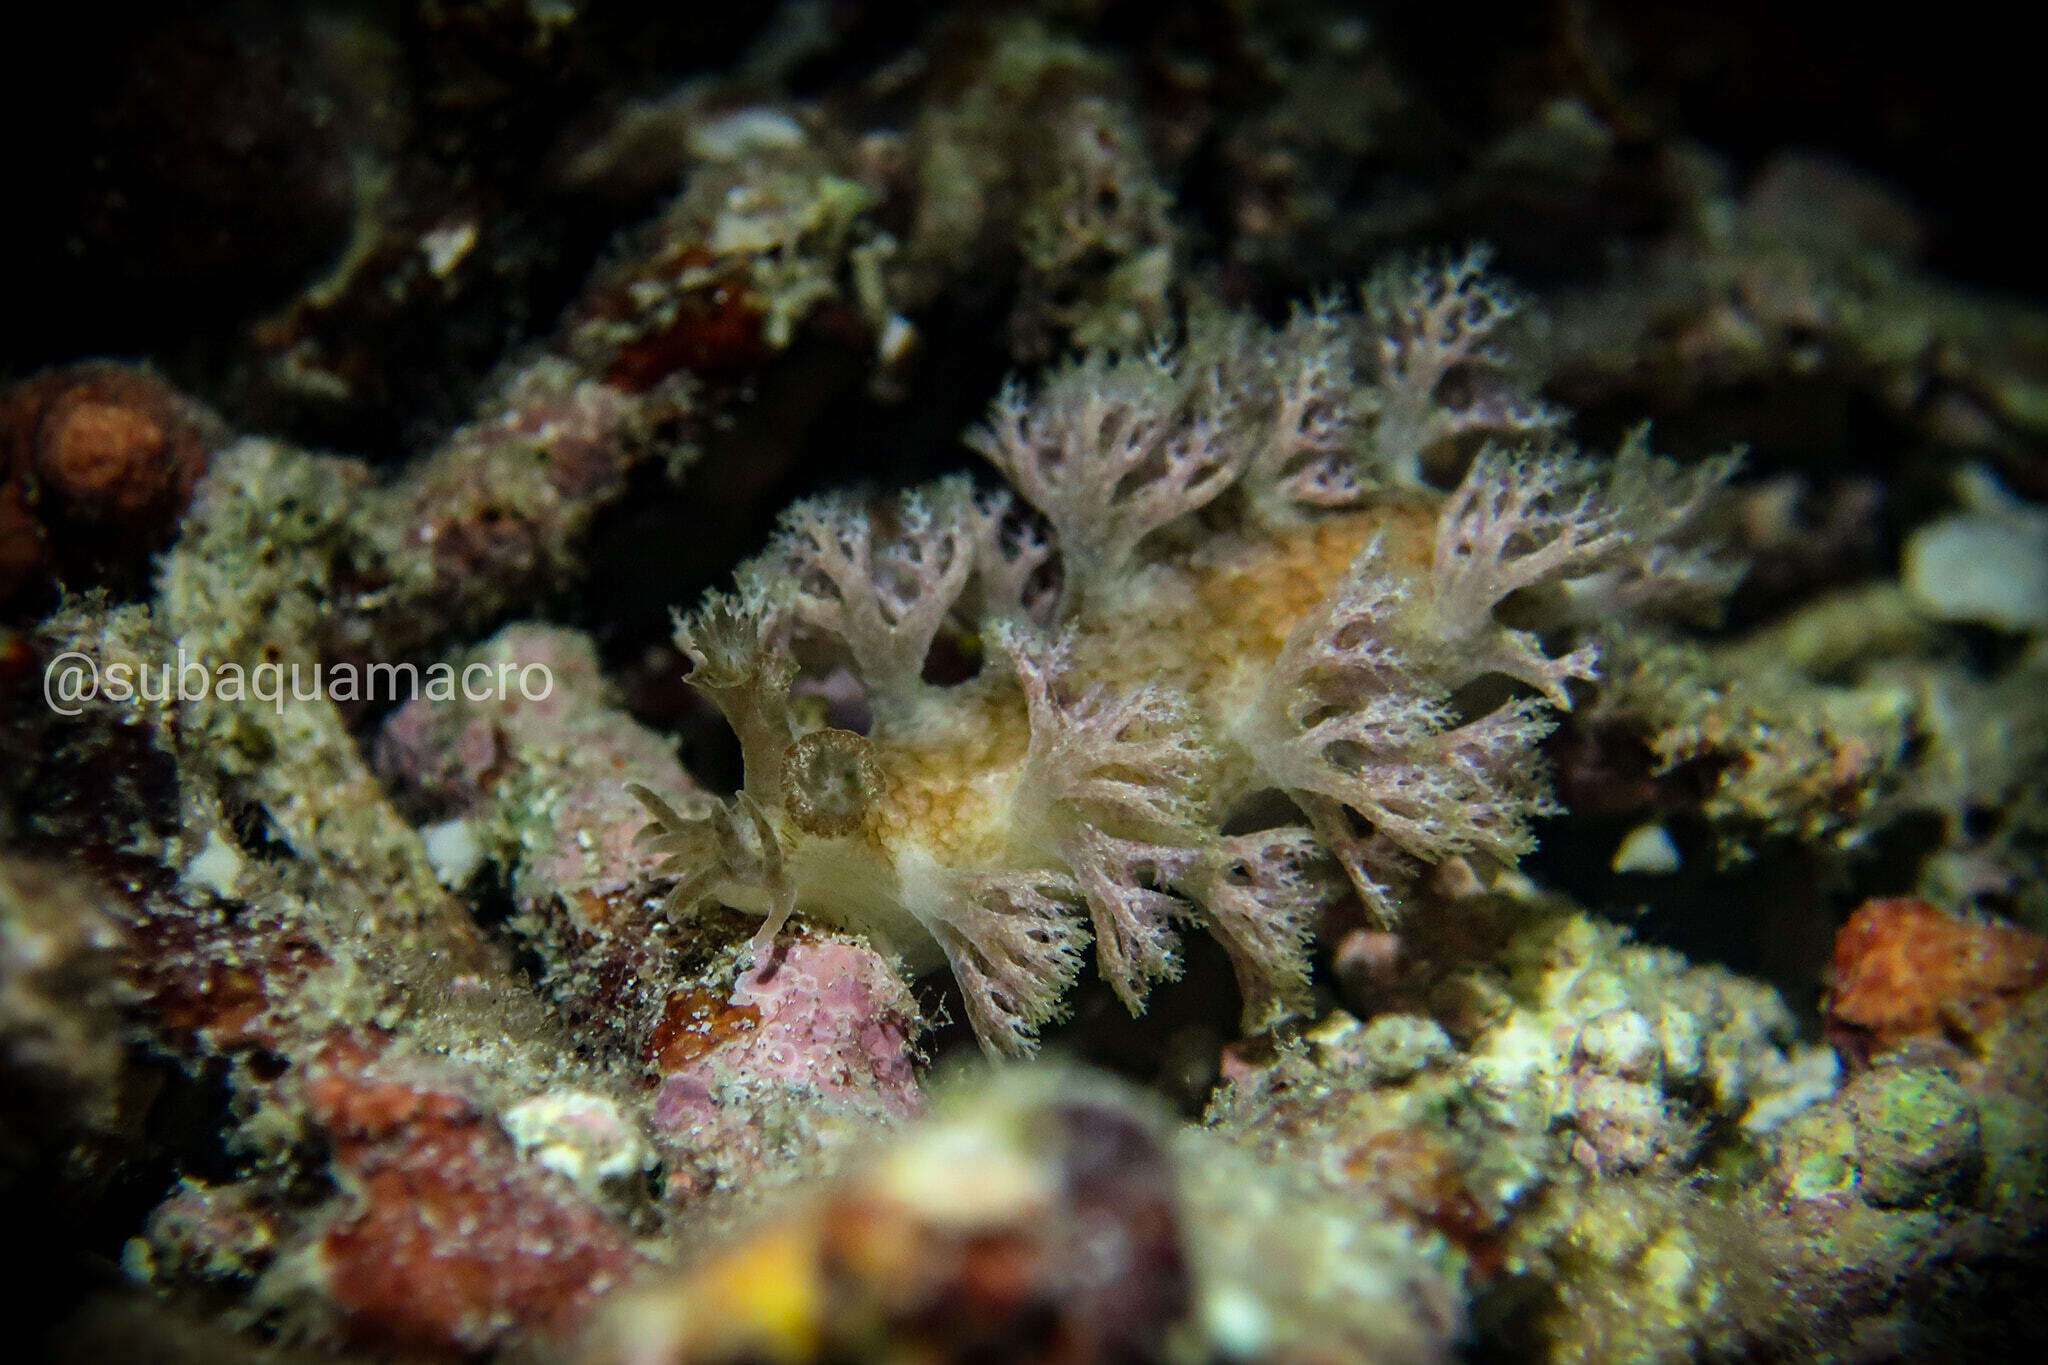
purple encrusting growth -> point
(1245, 586)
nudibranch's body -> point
(1237, 675)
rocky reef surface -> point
(1037, 682)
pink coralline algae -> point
(821, 1017)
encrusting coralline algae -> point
(1238, 586)
(1529, 781)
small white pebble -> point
(216, 867)
(730, 137)
(1647, 850)
(1988, 563)
(898, 340)
(445, 247)
(454, 852)
(576, 1134)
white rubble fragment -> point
(217, 867)
(454, 852)
(446, 246)
(734, 136)
(1987, 563)
(576, 1134)
(1646, 850)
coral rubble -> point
(1495, 869)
